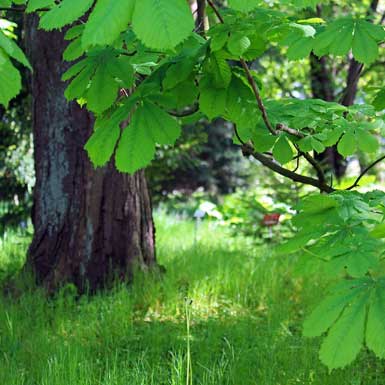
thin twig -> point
(215, 9)
(364, 172)
(291, 131)
(257, 94)
(185, 113)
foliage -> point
(244, 212)
(148, 50)
(203, 157)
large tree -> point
(150, 50)
(89, 223)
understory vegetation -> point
(225, 312)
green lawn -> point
(244, 306)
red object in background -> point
(271, 219)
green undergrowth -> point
(244, 305)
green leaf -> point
(73, 51)
(34, 5)
(365, 48)
(5, 3)
(66, 12)
(101, 145)
(74, 70)
(366, 142)
(10, 80)
(149, 125)
(74, 32)
(212, 101)
(102, 92)
(13, 50)
(136, 149)
(177, 73)
(244, 5)
(379, 100)
(282, 150)
(78, 87)
(329, 40)
(162, 24)
(108, 19)
(163, 128)
(346, 337)
(121, 68)
(347, 145)
(327, 312)
(263, 142)
(219, 69)
(375, 327)
(347, 33)
(378, 231)
(317, 146)
(218, 41)
(238, 44)
(300, 49)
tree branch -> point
(201, 15)
(248, 150)
(323, 187)
(364, 172)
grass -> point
(224, 313)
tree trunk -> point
(90, 225)
(322, 88)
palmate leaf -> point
(327, 312)
(64, 13)
(107, 20)
(98, 77)
(343, 315)
(348, 33)
(149, 125)
(162, 24)
(101, 145)
(346, 337)
(358, 137)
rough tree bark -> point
(322, 88)
(89, 224)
